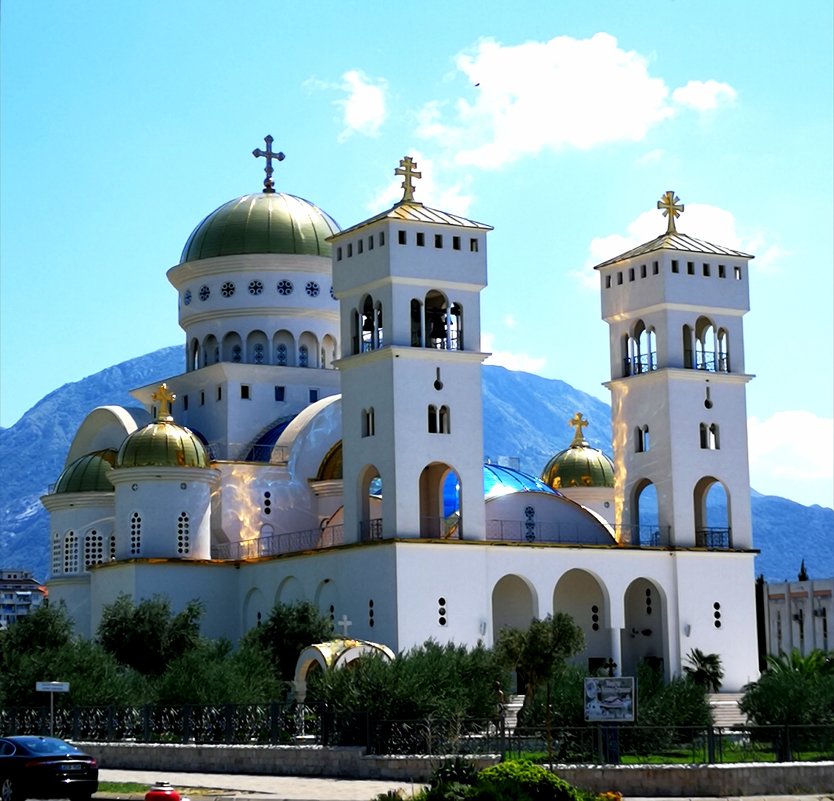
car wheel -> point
(7, 790)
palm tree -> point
(704, 669)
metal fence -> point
(276, 723)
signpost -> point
(52, 687)
(610, 700)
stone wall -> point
(345, 762)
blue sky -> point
(559, 123)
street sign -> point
(52, 686)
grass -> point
(136, 788)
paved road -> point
(292, 788)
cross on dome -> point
(408, 170)
(672, 208)
(164, 398)
(269, 154)
(578, 422)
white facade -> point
(799, 615)
(371, 503)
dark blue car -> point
(45, 767)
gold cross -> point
(268, 154)
(672, 208)
(407, 169)
(578, 422)
(165, 399)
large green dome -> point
(88, 474)
(580, 465)
(163, 444)
(265, 222)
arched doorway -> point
(645, 623)
(712, 514)
(579, 594)
(514, 604)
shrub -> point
(524, 781)
(458, 770)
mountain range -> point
(525, 423)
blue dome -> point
(261, 450)
(500, 480)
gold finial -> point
(164, 398)
(407, 169)
(578, 422)
(268, 154)
(672, 208)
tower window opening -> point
(382, 239)
(438, 240)
(70, 553)
(722, 273)
(421, 239)
(643, 272)
(473, 245)
(303, 356)
(350, 249)
(202, 397)
(642, 443)
(368, 423)
(371, 242)
(608, 282)
(266, 505)
(631, 273)
(360, 246)
(455, 243)
(314, 395)
(185, 403)
(244, 392)
(707, 270)
(690, 268)
(219, 393)
(655, 268)
(737, 273)
(135, 534)
(619, 279)
(279, 394)
(433, 421)
(709, 436)
(401, 237)
(338, 254)
(675, 268)
(444, 421)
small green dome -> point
(163, 444)
(579, 467)
(265, 222)
(88, 474)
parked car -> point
(45, 767)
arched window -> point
(723, 360)
(355, 328)
(93, 549)
(642, 439)
(368, 423)
(281, 355)
(433, 421)
(688, 347)
(57, 553)
(456, 327)
(709, 436)
(194, 355)
(70, 553)
(416, 324)
(711, 505)
(444, 421)
(303, 356)
(705, 345)
(642, 354)
(437, 321)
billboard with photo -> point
(610, 699)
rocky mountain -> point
(525, 419)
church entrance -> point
(514, 604)
(579, 594)
(643, 641)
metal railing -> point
(642, 363)
(713, 538)
(569, 533)
(278, 544)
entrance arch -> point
(580, 595)
(644, 640)
(514, 604)
(440, 496)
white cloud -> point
(363, 110)
(512, 361)
(792, 455)
(562, 93)
(453, 198)
(704, 95)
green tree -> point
(704, 669)
(147, 636)
(288, 630)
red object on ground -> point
(162, 791)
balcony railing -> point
(574, 533)
(642, 363)
(707, 360)
(713, 538)
(278, 544)
(370, 530)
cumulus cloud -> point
(363, 109)
(508, 359)
(704, 95)
(792, 455)
(453, 197)
(562, 93)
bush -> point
(524, 781)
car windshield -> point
(47, 745)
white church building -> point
(324, 443)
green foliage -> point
(148, 636)
(524, 781)
(704, 669)
(679, 703)
(794, 689)
(459, 769)
(567, 700)
(288, 630)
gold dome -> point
(88, 473)
(580, 465)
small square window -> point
(382, 239)
(360, 246)
(473, 245)
(314, 395)
(338, 254)
(619, 278)
(690, 268)
(244, 392)
(706, 270)
(642, 270)
(455, 243)
(350, 249)
(722, 271)
(631, 273)
(438, 240)
(279, 394)
(370, 242)
(674, 265)
(655, 268)
(421, 239)
(737, 273)
(401, 237)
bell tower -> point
(408, 283)
(674, 306)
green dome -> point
(266, 222)
(162, 444)
(579, 466)
(88, 474)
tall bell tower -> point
(674, 306)
(408, 282)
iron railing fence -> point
(280, 723)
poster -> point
(610, 700)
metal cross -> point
(268, 154)
(165, 399)
(672, 208)
(408, 171)
(578, 422)
(611, 666)
(344, 624)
